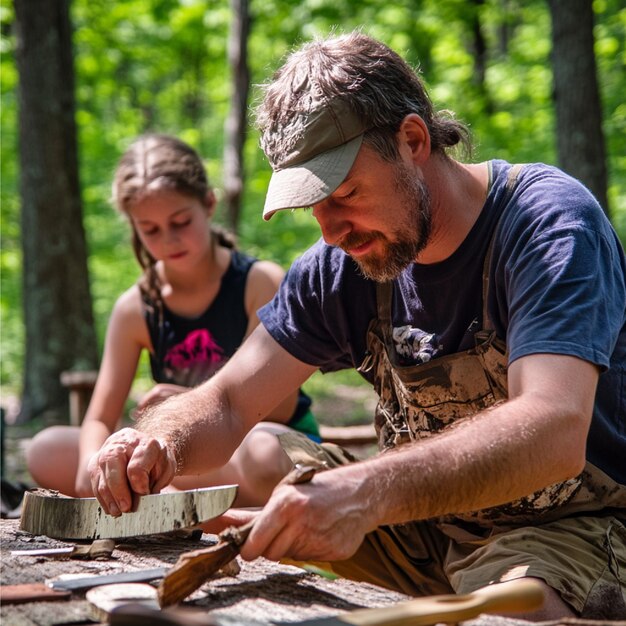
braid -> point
(224, 237)
(149, 283)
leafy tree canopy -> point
(161, 65)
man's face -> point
(380, 215)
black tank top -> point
(189, 350)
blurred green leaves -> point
(161, 65)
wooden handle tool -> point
(194, 568)
(514, 596)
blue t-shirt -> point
(557, 285)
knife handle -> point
(509, 597)
(237, 535)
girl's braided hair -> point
(154, 162)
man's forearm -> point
(499, 455)
(198, 427)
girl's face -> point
(173, 226)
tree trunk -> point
(580, 142)
(479, 52)
(235, 128)
(56, 298)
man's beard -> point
(407, 241)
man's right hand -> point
(129, 462)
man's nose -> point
(333, 225)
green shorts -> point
(307, 425)
(582, 557)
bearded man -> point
(485, 302)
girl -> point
(191, 309)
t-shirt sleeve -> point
(564, 277)
(308, 315)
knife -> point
(99, 549)
(87, 582)
(49, 513)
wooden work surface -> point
(261, 593)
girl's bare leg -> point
(257, 466)
(52, 458)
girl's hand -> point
(232, 517)
(158, 393)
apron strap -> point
(384, 298)
(384, 291)
(511, 183)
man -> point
(486, 303)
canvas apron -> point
(418, 401)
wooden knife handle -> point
(194, 568)
(30, 592)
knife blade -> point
(51, 514)
(87, 582)
(509, 597)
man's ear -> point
(210, 203)
(414, 139)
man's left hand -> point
(325, 519)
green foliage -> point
(161, 65)
(11, 329)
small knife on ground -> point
(49, 513)
(87, 582)
(99, 549)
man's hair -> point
(378, 84)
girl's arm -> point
(126, 335)
(263, 282)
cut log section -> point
(49, 513)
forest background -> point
(162, 65)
